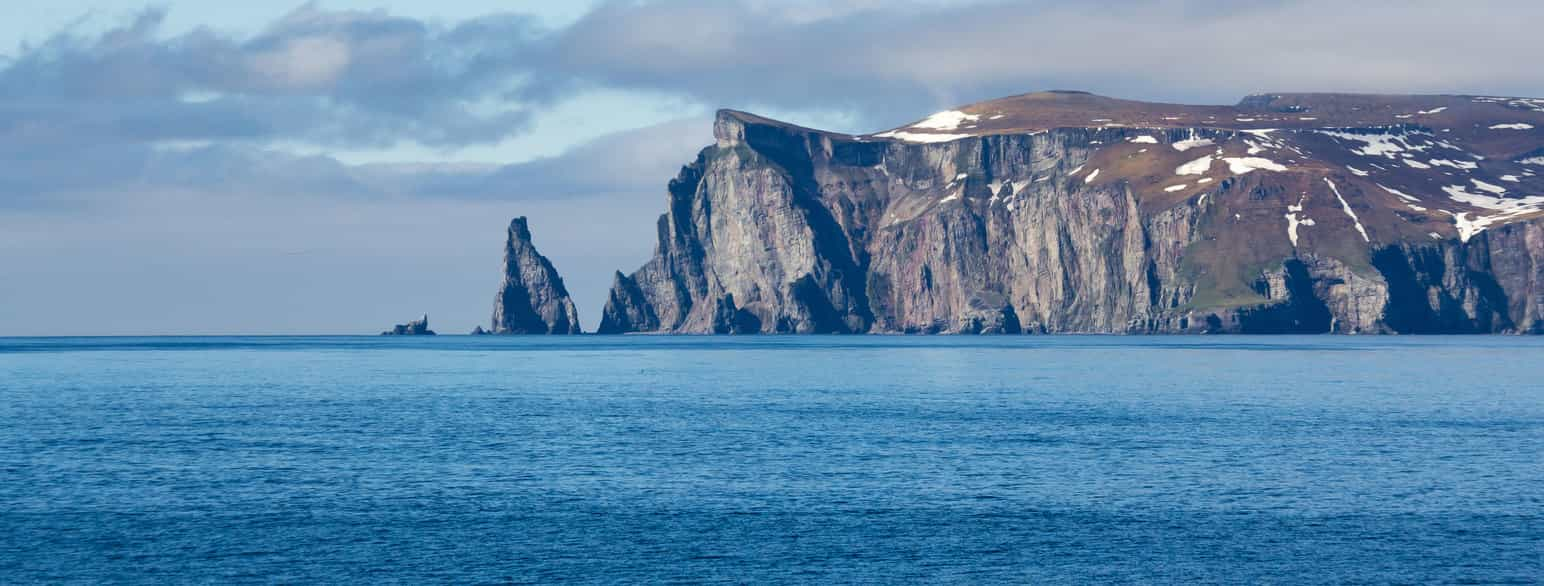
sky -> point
(200, 167)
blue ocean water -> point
(773, 459)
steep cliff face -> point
(532, 298)
(1073, 213)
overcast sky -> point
(337, 167)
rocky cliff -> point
(1068, 212)
(532, 298)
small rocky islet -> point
(419, 327)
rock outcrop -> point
(532, 298)
(1067, 212)
(413, 328)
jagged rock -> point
(479, 331)
(413, 328)
(532, 298)
(1068, 212)
(627, 310)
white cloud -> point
(308, 63)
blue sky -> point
(336, 167)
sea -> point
(767, 460)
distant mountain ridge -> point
(1071, 212)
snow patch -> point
(1293, 221)
(1377, 145)
(1191, 143)
(918, 137)
(1465, 165)
(1432, 111)
(1471, 224)
(1510, 178)
(1242, 165)
(1144, 139)
(1091, 176)
(1402, 195)
(1197, 167)
(1357, 172)
(1513, 126)
(946, 120)
(1174, 188)
(1493, 188)
(1204, 180)
(1416, 164)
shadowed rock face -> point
(532, 298)
(1073, 213)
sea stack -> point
(413, 328)
(532, 298)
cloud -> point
(899, 60)
(633, 161)
(370, 80)
(329, 78)
(628, 163)
(304, 63)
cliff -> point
(1068, 212)
(532, 298)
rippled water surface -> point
(779, 459)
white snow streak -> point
(1347, 207)
(1493, 188)
(1293, 221)
(1464, 165)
